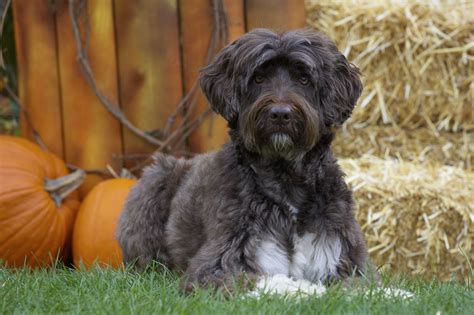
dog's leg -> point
(217, 267)
(356, 268)
(141, 229)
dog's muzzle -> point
(279, 125)
(274, 124)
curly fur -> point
(276, 179)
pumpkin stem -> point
(61, 187)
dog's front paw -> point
(242, 282)
(284, 285)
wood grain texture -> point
(91, 135)
(38, 79)
(279, 15)
(148, 52)
(196, 30)
(236, 19)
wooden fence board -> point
(196, 29)
(39, 89)
(276, 14)
(196, 16)
(148, 52)
(236, 18)
(91, 135)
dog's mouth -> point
(281, 142)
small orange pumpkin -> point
(94, 231)
(37, 208)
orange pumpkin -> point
(37, 208)
(94, 231)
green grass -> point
(100, 291)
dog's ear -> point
(217, 83)
(341, 91)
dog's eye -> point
(304, 80)
(258, 79)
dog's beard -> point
(270, 141)
(279, 145)
(281, 142)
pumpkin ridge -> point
(22, 229)
(26, 172)
(43, 249)
(52, 238)
(20, 190)
(18, 215)
(29, 150)
(97, 203)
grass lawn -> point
(62, 290)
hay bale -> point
(419, 145)
(416, 219)
(417, 59)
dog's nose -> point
(280, 114)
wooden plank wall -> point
(145, 55)
(37, 60)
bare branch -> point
(35, 133)
(4, 5)
(180, 108)
(100, 172)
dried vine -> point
(3, 13)
(170, 139)
(185, 107)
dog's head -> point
(281, 92)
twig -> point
(4, 5)
(95, 171)
(179, 108)
(132, 156)
(35, 133)
(192, 126)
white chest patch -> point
(272, 258)
(315, 257)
